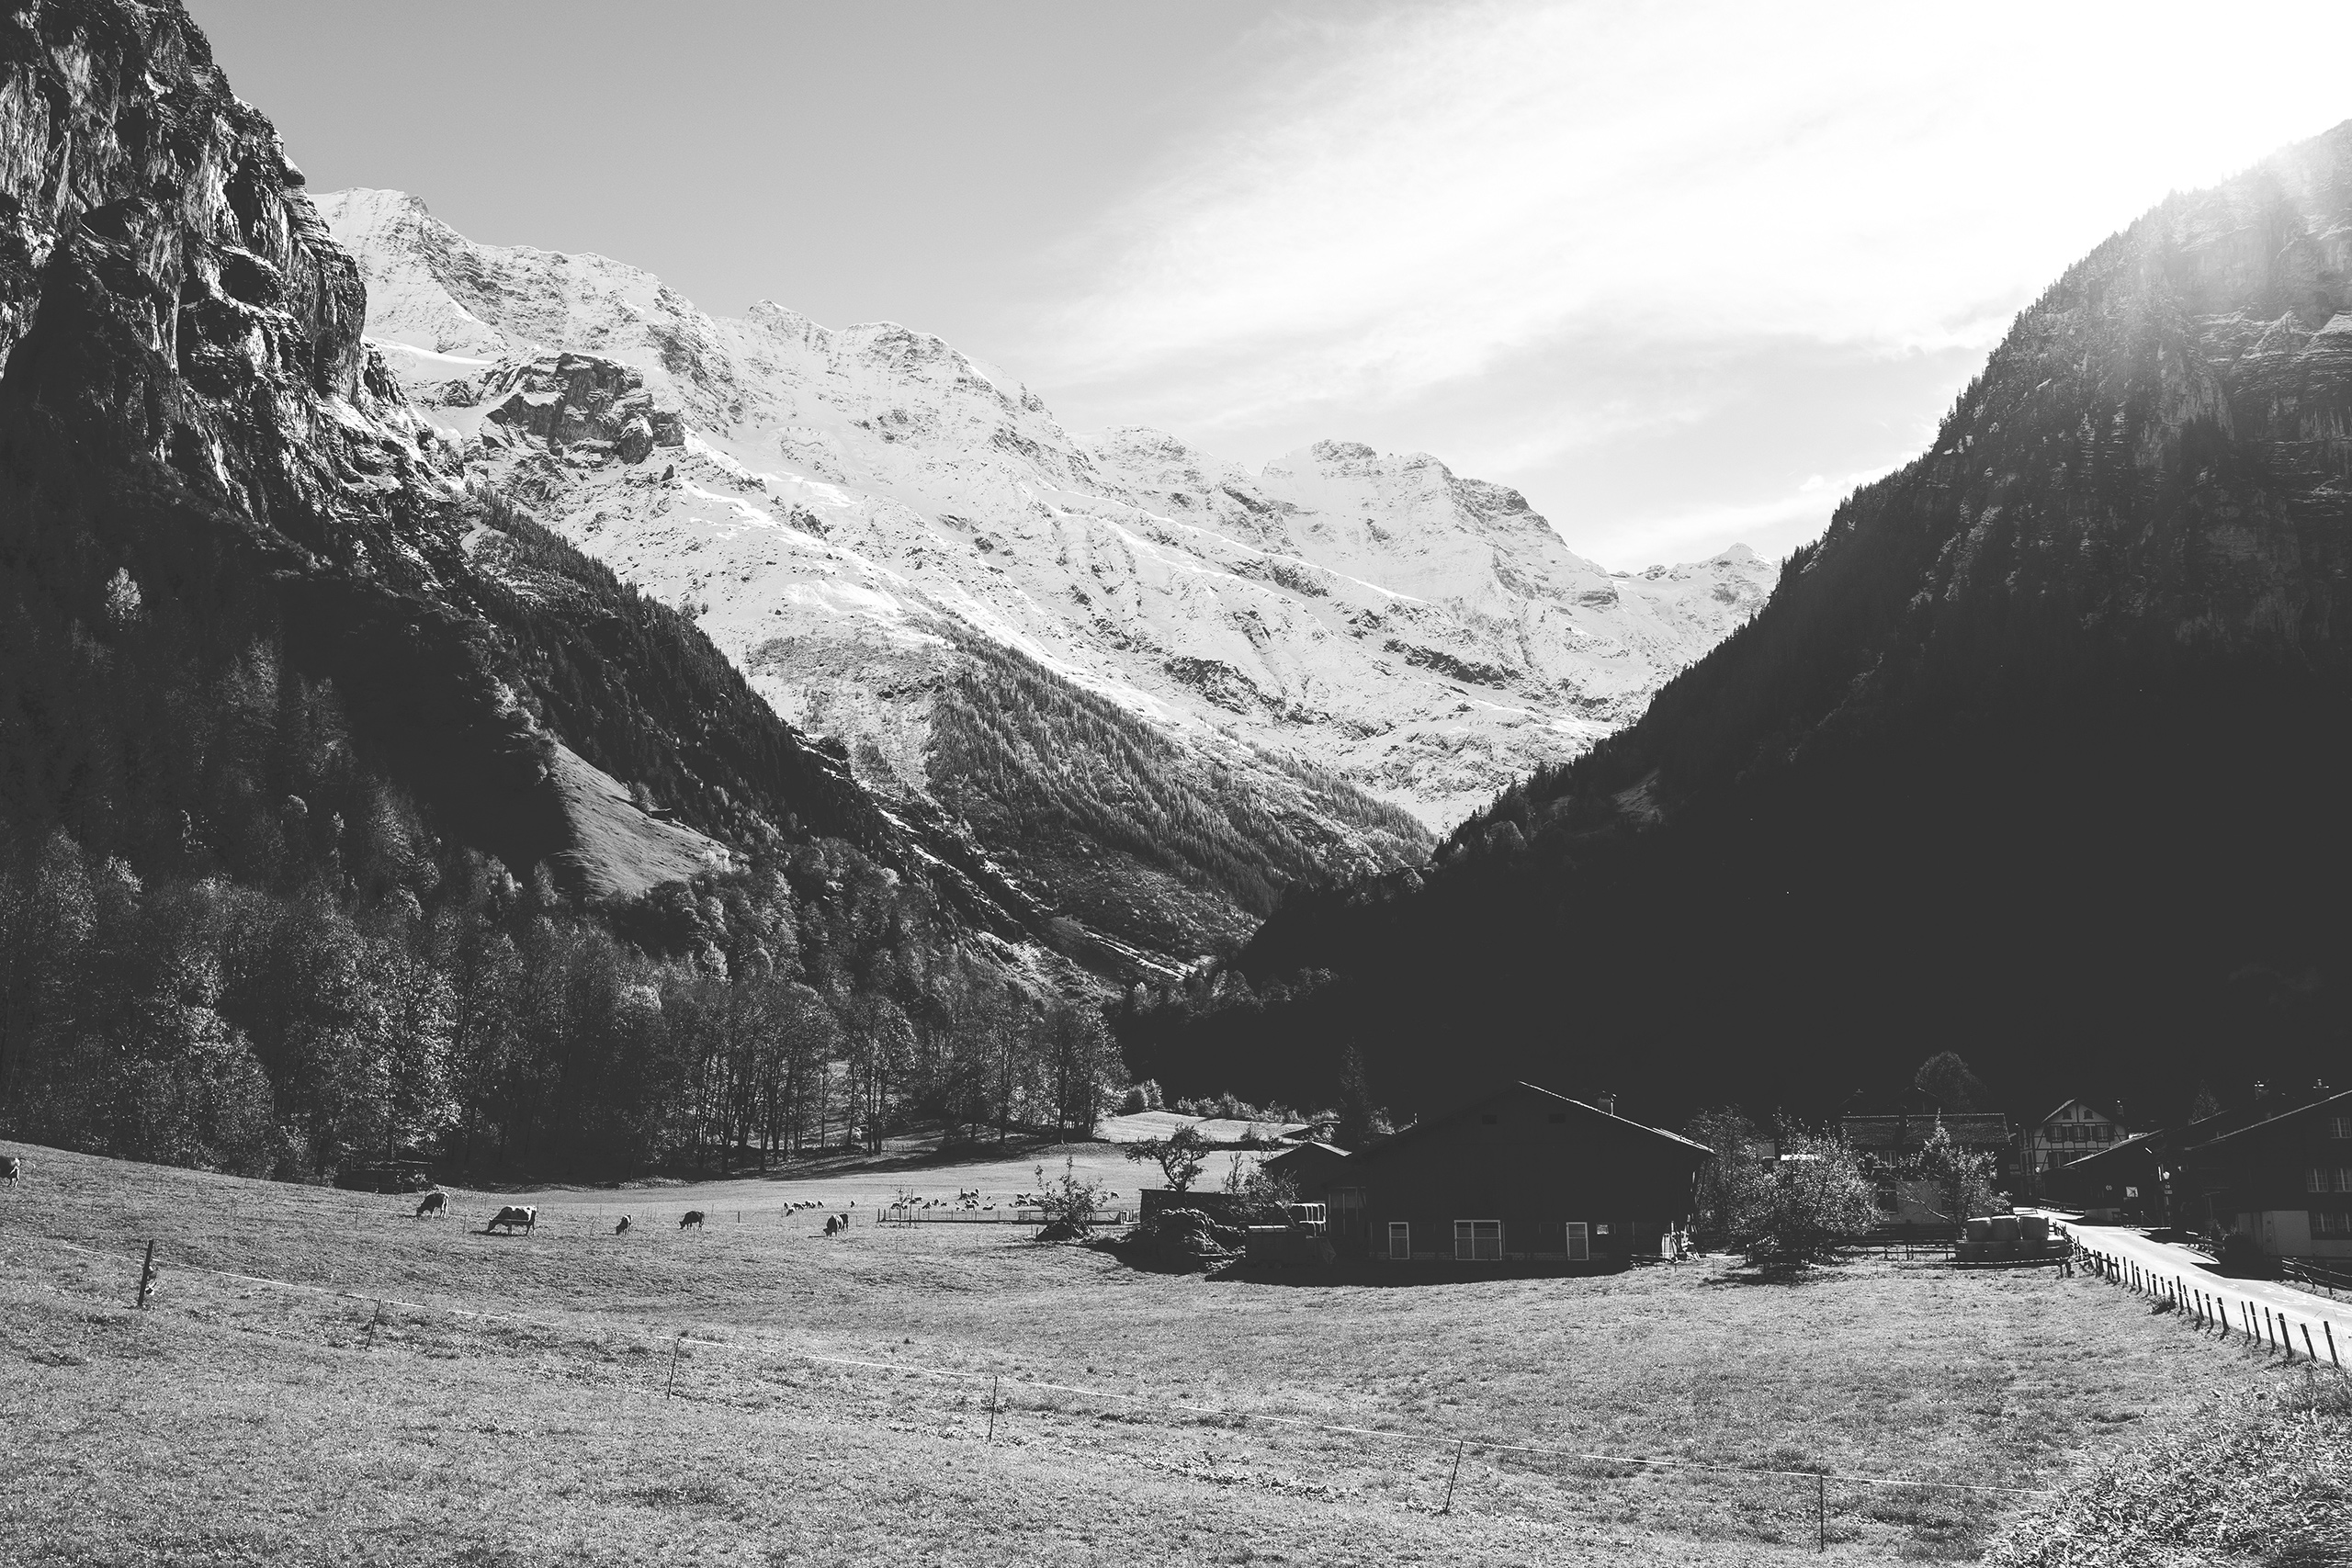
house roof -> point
(1304, 1151)
(1424, 1126)
(2305, 1109)
(2102, 1107)
(1974, 1128)
(2137, 1142)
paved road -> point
(2161, 1264)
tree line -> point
(291, 1031)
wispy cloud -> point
(1439, 194)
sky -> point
(1682, 274)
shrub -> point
(1799, 1208)
(1067, 1201)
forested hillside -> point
(1139, 834)
(295, 727)
(2039, 753)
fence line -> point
(2310, 1273)
(2211, 1308)
(1010, 1214)
(1431, 1439)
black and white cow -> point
(434, 1202)
(693, 1220)
(622, 1229)
(11, 1167)
(525, 1217)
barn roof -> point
(2344, 1099)
(1426, 1124)
(1305, 1151)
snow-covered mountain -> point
(852, 512)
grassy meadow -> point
(236, 1422)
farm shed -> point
(1523, 1175)
(1320, 1173)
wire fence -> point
(1000, 1407)
(992, 1214)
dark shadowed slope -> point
(2041, 752)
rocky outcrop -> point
(579, 402)
(168, 294)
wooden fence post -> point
(992, 1382)
(672, 1391)
(1455, 1476)
(2329, 1329)
(147, 1276)
(2308, 1351)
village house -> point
(1518, 1175)
(2077, 1128)
(2284, 1180)
(2135, 1179)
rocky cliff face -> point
(191, 421)
(1364, 644)
(167, 290)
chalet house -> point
(2078, 1127)
(2285, 1180)
(2135, 1181)
(1518, 1175)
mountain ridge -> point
(2034, 755)
(844, 509)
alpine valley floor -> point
(236, 1420)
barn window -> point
(1477, 1241)
(2339, 1127)
(1579, 1242)
(1401, 1240)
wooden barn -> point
(1518, 1175)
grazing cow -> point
(11, 1167)
(693, 1220)
(833, 1227)
(526, 1215)
(622, 1229)
(436, 1203)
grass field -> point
(237, 1422)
